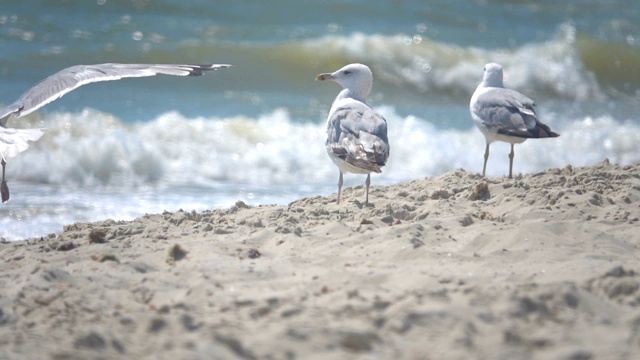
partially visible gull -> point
(13, 141)
(356, 134)
(504, 115)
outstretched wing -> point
(14, 141)
(510, 113)
(358, 135)
(64, 81)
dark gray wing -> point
(510, 113)
(358, 135)
(64, 81)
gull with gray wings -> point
(14, 141)
(504, 115)
(356, 134)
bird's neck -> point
(351, 94)
(491, 84)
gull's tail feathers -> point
(15, 141)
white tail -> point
(15, 141)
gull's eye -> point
(347, 72)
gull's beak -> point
(325, 76)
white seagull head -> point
(356, 78)
(492, 75)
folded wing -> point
(510, 113)
(358, 135)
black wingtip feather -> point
(539, 132)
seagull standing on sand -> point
(356, 134)
(14, 141)
(503, 114)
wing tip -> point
(200, 69)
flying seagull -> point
(14, 141)
(356, 134)
(504, 115)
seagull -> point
(14, 141)
(504, 114)
(356, 134)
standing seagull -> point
(503, 114)
(14, 141)
(356, 134)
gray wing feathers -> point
(14, 141)
(359, 136)
(64, 81)
(510, 113)
(4, 113)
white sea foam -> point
(550, 68)
(91, 149)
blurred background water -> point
(255, 132)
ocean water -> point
(255, 132)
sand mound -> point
(541, 266)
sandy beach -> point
(543, 266)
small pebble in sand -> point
(176, 253)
